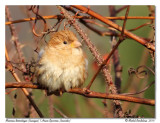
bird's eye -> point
(64, 42)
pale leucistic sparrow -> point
(62, 63)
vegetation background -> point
(131, 54)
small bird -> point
(62, 64)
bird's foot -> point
(86, 90)
(57, 92)
(61, 91)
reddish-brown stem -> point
(78, 17)
(103, 64)
(120, 9)
(114, 25)
(99, 32)
(95, 23)
(23, 89)
(44, 29)
(140, 26)
(35, 10)
(124, 23)
(82, 92)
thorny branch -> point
(95, 53)
(111, 53)
(15, 39)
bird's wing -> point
(86, 65)
(40, 54)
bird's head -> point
(64, 40)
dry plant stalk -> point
(15, 40)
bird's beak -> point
(75, 44)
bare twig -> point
(35, 10)
(133, 83)
(95, 23)
(143, 90)
(125, 20)
(114, 25)
(120, 9)
(82, 92)
(77, 17)
(148, 23)
(23, 89)
(138, 76)
(59, 112)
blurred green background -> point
(131, 53)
